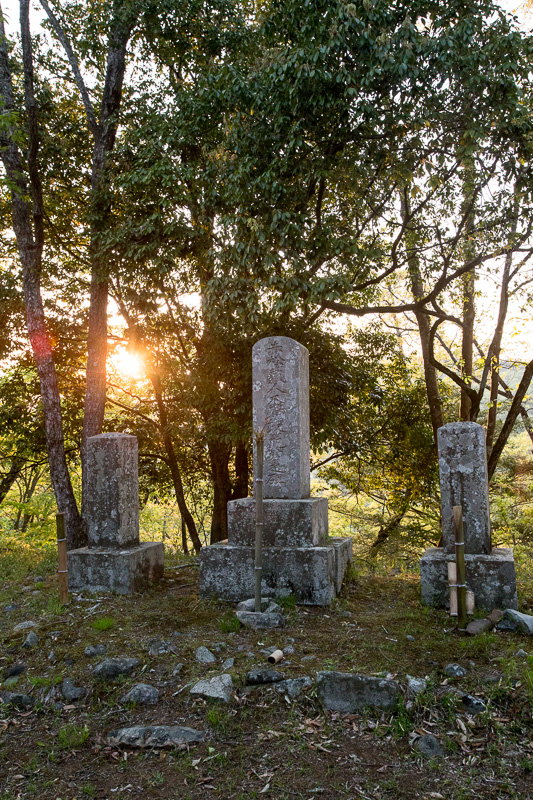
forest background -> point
(181, 179)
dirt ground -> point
(262, 743)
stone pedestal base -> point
(108, 569)
(313, 575)
(288, 523)
(490, 576)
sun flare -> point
(127, 364)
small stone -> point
(141, 693)
(31, 640)
(495, 615)
(345, 614)
(54, 635)
(478, 626)
(71, 692)
(348, 692)
(205, 656)
(416, 686)
(410, 638)
(289, 650)
(93, 650)
(308, 658)
(23, 626)
(52, 657)
(68, 661)
(113, 667)
(267, 651)
(218, 646)
(218, 688)
(506, 626)
(454, 671)
(154, 736)
(293, 686)
(15, 669)
(428, 745)
(177, 669)
(524, 621)
(249, 604)
(229, 663)
(10, 607)
(473, 704)
(16, 699)
(260, 621)
(256, 677)
(521, 654)
(38, 579)
(156, 647)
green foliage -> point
(229, 623)
(103, 623)
(72, 735)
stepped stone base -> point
(109, 569)
(313, 575)
(490, 576)
(287, 523)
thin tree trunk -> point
(7, 480)
(219, 455)
(184, 537)
(28, 228)
(510, 420)
(467, 344)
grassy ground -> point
(262, 743)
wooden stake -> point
(62, 559)
(260, 452)
(460, 561)
(452, 582)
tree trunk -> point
(28, 228)
(184, 537)
(219, 455)
(7, 480)
(467, 345)
(510, 420)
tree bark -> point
(510, 420)
(219, 455)
(8, 479)
(467, 344)
(28, 228)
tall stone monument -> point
(298, 556)
(114, 560)
(490, 571)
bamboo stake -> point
(460, 561)
(260, 452)
(62, 559)
(452, 582)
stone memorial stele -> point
(299, 557)
(114, 560)
(490, 571)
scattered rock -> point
(71, 692)
(54, 635)
(31, 640)
(524, 621)
(416, 685)
(410, 638)
(479, 626)
(492, 676)
(473, 704)
(428, 745)
(156, 647)
(141, 693)
(256, 677)
(229, 663)
(154, 736)
(267, 605)
(263, 621)
(454, 671)
(38, 579)
(495, 615)
(16, 699)
(113, 667)
(218, 646)
(52, 657)
(23, 626)
(289, 650)
(521, 654)
(345, 614)
(205, 656)
(15, 669)
(218, 688)
(293, 686)
(507, 626)
(10, 607)
(308, 658)
(348, 692)
(93, 650)
(68, 661)
(177, 669)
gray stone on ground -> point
(479, 626)
(293, 686)
(261, 621)
(156, 647)
(454, 671)
(267, 604)
(495, 615)
(31, 640)
(71, 692)
(16, 699)
(473, 705)
(428, 745)
(229, 663)
(205, 656)
(23, 626)
(154, 736)
(416, 686)
(507, 626)
(10, 607)
(218, 688)
(141, 693)
(256, 677)
(288, 650)
(521, 653)
(113, 667)
(177, 669)
(15, 669)
(524, 621)
(93, 650)
(348, 692)
(410, 638)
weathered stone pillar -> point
(115, 560)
